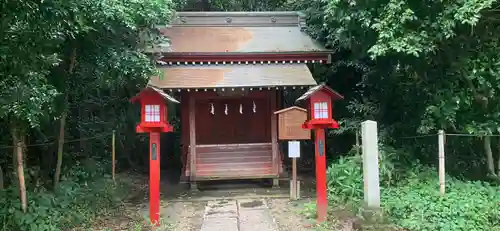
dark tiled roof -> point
(220, 76)
(220, 32)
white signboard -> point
(294, 149)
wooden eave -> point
(242, 57)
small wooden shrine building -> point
(229, 70)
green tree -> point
(56, 53)
(419, 66)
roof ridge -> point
(237, 13)
(289, 109)
(240, 18)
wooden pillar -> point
(154, 178)
(185, 136)
(442, 186)
(274, 137)
(192, 142)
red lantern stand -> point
(154, 121)
(320, 118)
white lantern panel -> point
(152, 113)
(321, 110)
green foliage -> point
(82, 58)
(410, 196)
(345, 176)
(52, 51)
(417, 205)
(414, 67)
(84, 195)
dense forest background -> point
(68, 68)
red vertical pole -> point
(321, 200)
(154, 178)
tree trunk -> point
(17, 137)
(60, 149)
(205, 5)
(489, 155)
(498, 164)
(1, 178)
(20, 172)
(62, 121)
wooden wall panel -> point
(233, 127)
(246, 128)
(234, 161)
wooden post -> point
(294, 153)
(113, 155)
(294, 178)
(154, 178)
(274, 139)
(442, 186)
(192, 142)
(369, 142)
(321, 199)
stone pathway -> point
(232, 209)
(234, 214)
(238, 215)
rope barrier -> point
(448, 134)
(418, 136)
(65, 141)
(470, 135)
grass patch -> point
(410, 198)
(86, 196)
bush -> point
(467, 206)
(345, 176)
(410, 196)
(76, 201)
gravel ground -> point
(181, 210)
(287, 215)
(184, 216)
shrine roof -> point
(233, 76)
(239, 32)
(335, 95)
(152, 88)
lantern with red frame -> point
(154, 112)
(154, 120)
(319, 118)
(320, 107)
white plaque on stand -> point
(294, 149)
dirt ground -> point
(288, 216)
(182, 210)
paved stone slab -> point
(221, 209)
(252, 204)
(220, 224)
(256, 219)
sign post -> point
(319, 99)
(294, 153)
(290, 128)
